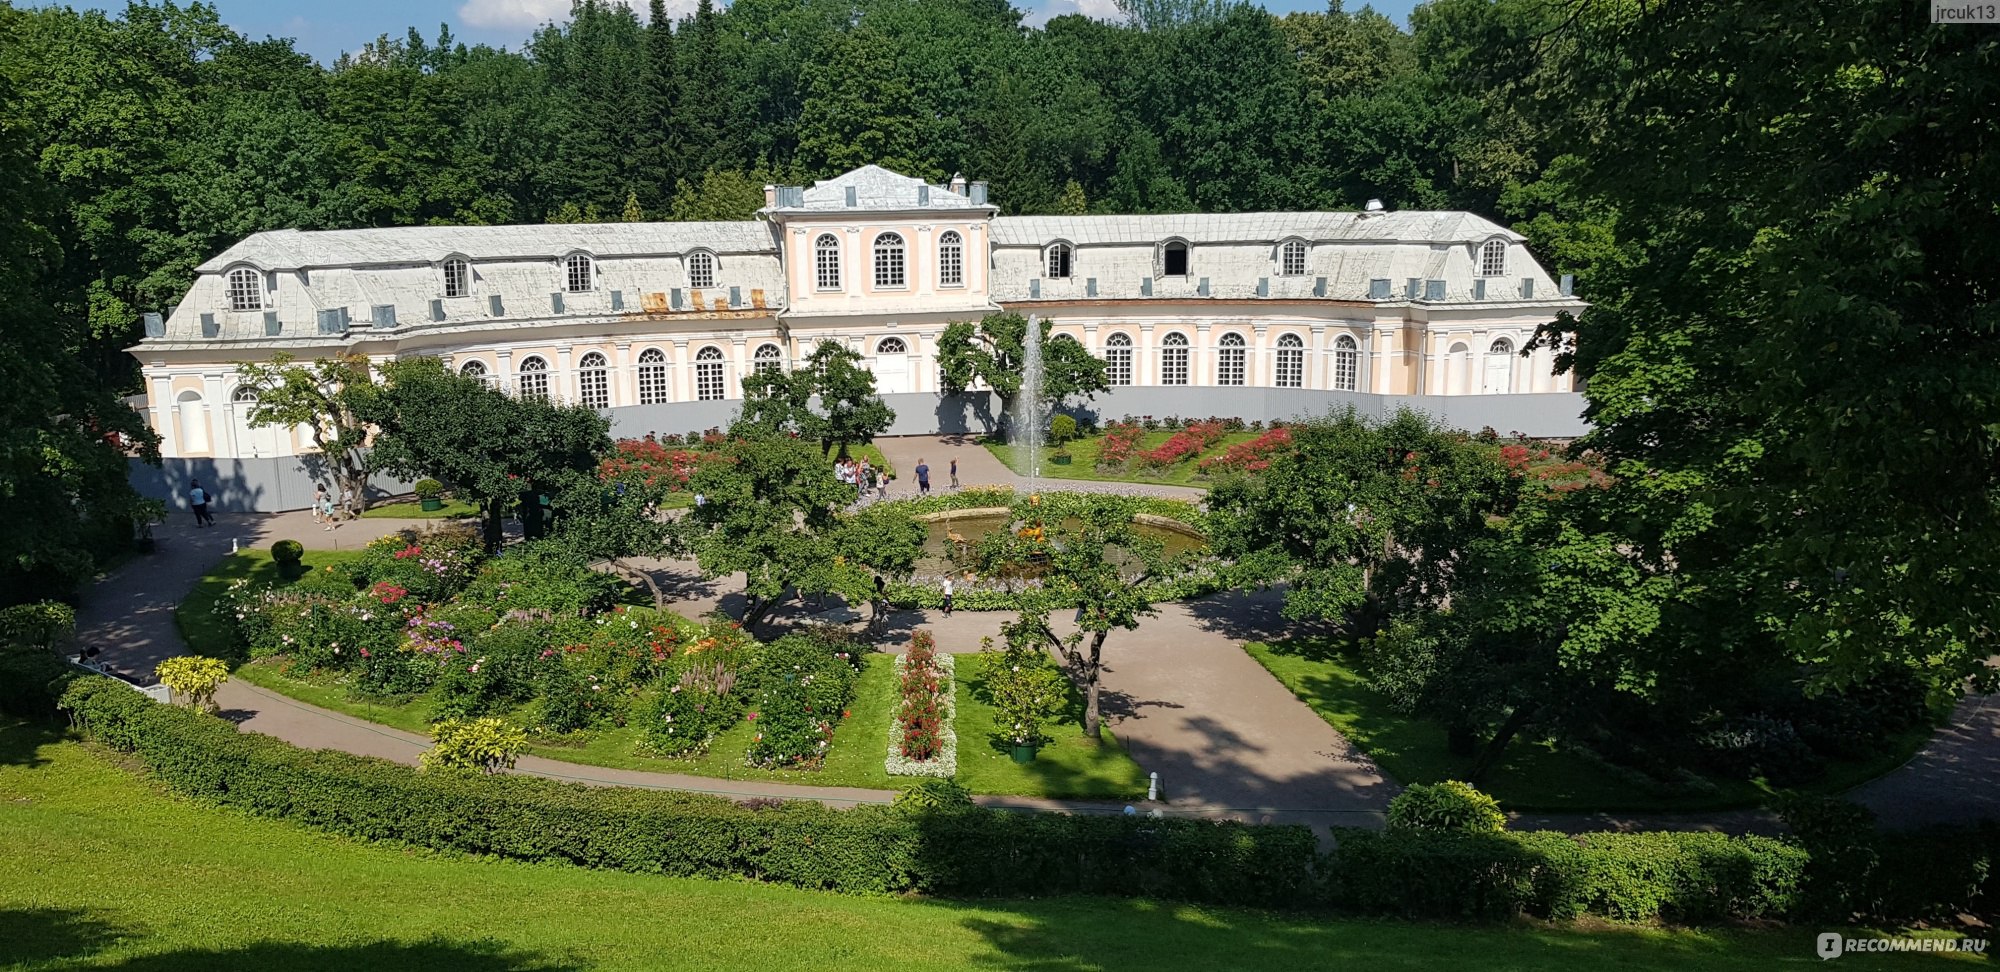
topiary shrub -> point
(428, 489)
(1447, 807)
(1062, 432)
(288, 554)
(194, 678)
(473, 746)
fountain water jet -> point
(1026, 427)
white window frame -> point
(654, 386)
(1292, 258)
(951, 259)
(244, 297)
(702, 269)
(1290, 368)
(891, 261)
(1493, 258)
(768, 357)
(593, 380)
(1059, 260)
(1175, 354)
(826, 262)
(884, 346)
(1346, 363)
(579, 268)
(532, 379)
(464, 275)
(709, 383)
(476, 369)
(1232, 360)
(1118, 358)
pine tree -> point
(703, 96)
(633, 212)
(658, 139)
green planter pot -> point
(1060, 460)
(432, 504)
(1024, 754)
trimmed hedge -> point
(1682, 877)
(866, 849)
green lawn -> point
(99, 870)
(1083, 462)
(1532, 775)
(414, 510)
(1068, 767)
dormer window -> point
(889, 260)
(701, 270)
(579, 273)
(1292, 258)
(246, 289)
(457, 278)
(1061, 261)
(1493, 258)
(1174, 259)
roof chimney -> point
(958, 183)
(1374, 206)
(770, 197)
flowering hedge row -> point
(1252, 456)
(1691, 877)
(1189, 442)
(922, 741)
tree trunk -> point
(1516, 720)
(1093, 719)
(494, 524)
(659, 597)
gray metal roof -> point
(877, 188)
(291, 249)
(1389, 227)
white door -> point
(892, 367)
(1499, 372)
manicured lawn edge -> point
(1532, 777)
(1083, 460)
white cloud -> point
(534, 13)
(1094, 9)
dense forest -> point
(1785, 213)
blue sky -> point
(324, 28)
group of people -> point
(323, 510)
(866, 478)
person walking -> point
(326, 510)
(954, 472)
(319, 502)
(947, 595)
(346, 502)
(923, 478)
(198, 502)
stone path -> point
(1228, 740)
(978, 467)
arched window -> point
(244, 395)
(826, 262)
(246, 289)
(457, 278)
(1061, 260)
(1291, 361)
(191, 421)
(1501, 346)
(1118, 359)
(1493, 258)
(892, 345)
(474, 369)
(1292, 258)
(889, 260)
(533, 381)
(652, 377)
(1174, 359)
(769, 357)
(579, 273)
(701, 270)
(1229, 364)
(1174, 259)
(1346, 364)
(593, 381)
(708, 385)
(951, 259)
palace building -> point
(1264, 315)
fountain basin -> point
(946, 530)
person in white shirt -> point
(947, 596)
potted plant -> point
(430, 494)
(1062, 431)
(1027, 688)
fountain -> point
(1026, 427)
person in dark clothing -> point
(954, 472)
(923, 478)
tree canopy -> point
(830, 399)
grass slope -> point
(100, 871)
(1531, 776)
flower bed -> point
(1189, 442)
(921, 739)
(1121, 440)
(1252, 456)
